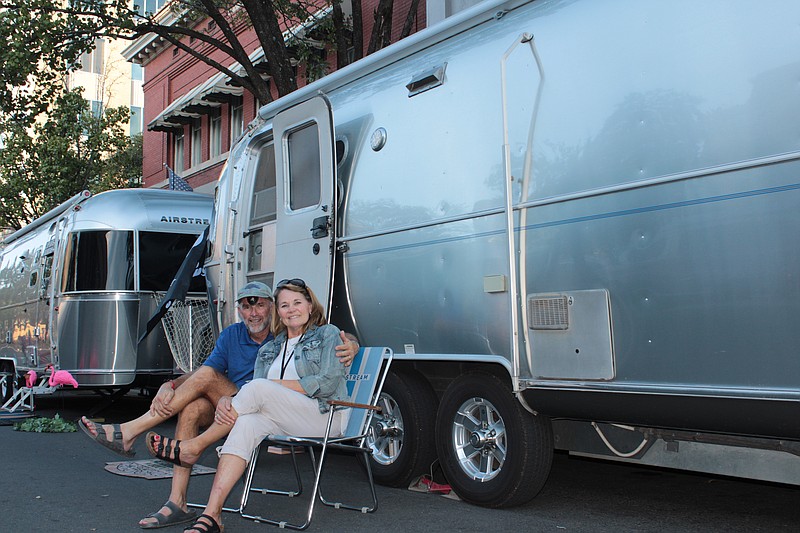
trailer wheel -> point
(402, 435)
(493, 452)
(8, 386)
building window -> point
(196, 147)
(137, 72)
(237, 120)
(215, 134)
(137, 120)
(96, 107)
(149, 6)
(92, 61)
(177, 162)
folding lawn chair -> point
(364, 383)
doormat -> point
(151, 469)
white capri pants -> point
(267, 408)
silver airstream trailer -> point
(575, 223)
(78, 284)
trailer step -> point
(22, 400)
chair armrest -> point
(356, 405)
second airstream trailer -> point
(78, 284)
(573, 221)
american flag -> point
(177, 183)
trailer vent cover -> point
(548, 312)
(427, 80)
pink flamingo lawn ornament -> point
(30, 379)
(60, 377)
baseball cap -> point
(254, 289)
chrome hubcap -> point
(479, 439)
(386, 432)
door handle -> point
(320, 227)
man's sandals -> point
(164, 448)
(205, 524)
(175, 517)
(99, 436)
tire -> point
(8, 386)
(493, 452)
(402, 435)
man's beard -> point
(256, 329)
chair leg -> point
(314, 493)
(364, 509)
(290, 493)
(248, 488)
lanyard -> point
(286, 360)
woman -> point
(295, 375)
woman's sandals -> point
(205, 524)
(164, 448)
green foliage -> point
(51, 147)
(45, 162)
(43, 40)
(46, 425)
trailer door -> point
(304, 159)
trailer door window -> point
(304, 170)
(263, 207)
(160, 257)
(99, 260)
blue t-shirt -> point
(235, 353)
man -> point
(194, 396)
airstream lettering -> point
(184, 220)
(574, 222)
(78, 284)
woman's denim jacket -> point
(321, 373)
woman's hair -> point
(317, 316)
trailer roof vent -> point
(426, 80)
(548, 312)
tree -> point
(55, 34)
(44, 163)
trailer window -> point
(47, 269)
(99, 260)
(263, 208)
(304, 169)
(160, 257)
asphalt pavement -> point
(57, 482)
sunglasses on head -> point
(251, 300)
(297, 282)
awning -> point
(202, 100)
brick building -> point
(192, 114)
